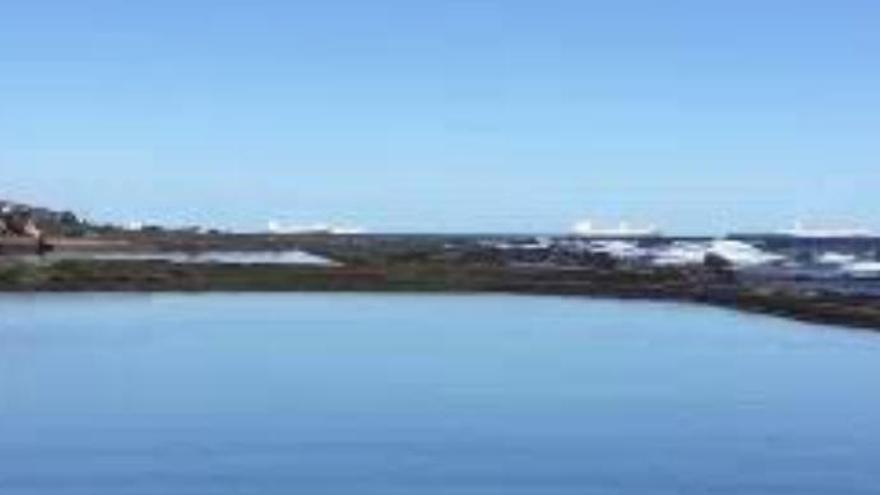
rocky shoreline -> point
(685, 285)
(161, 261)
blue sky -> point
(445, 115)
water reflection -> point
(397, 394)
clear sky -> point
(499, 115)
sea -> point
(221, 394)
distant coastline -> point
(831, 279)
(388, 263)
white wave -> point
(862, 269)
(617, 249)
(680, 253)
(539, 243)
(742, 254)
(834, 258)
(739, 254)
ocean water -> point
(289, 257)
(396, 394)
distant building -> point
(586, 228)
(18, 221)
(801, 231)
(275, 227)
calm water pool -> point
(391, 394)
